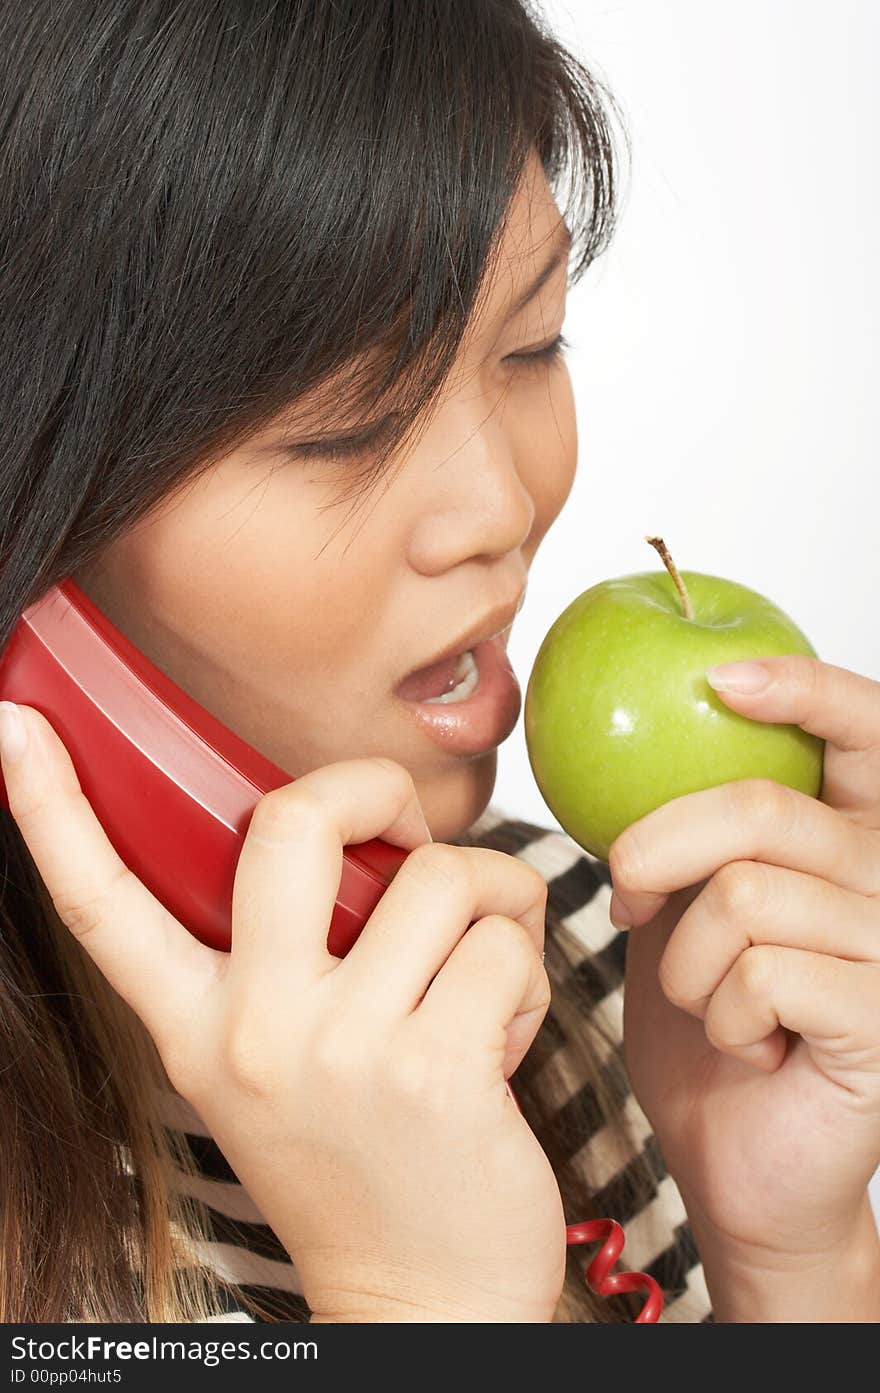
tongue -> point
(429, 681)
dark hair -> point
(209, 209)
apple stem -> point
(659, 545)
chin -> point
(454, 799)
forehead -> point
(533, 227)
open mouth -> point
(468, 703)
(454, 677)
(449, 681)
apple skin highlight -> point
(619, 716)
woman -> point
(237, 238)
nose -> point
(473, 501)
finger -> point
(437, 893)
(149, 958)
(746, 903)
(490, 996)
(839, 706)
(834, 1004)
(290, 866)
(831, 702)
(689, 838)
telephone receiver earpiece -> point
(172, 786)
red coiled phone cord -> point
(599, 1276)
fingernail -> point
(618, 915)
(738, 677)
(13, 732)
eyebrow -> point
(377, 432)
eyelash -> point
(528, 362)
(548, 354)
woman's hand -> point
(752, 1018)
(362, 1102)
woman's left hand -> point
(752, 1015)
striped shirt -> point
(245, 1252)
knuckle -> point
(509, 932)
(626, 862)
(335, 1055)
(536, 881)
(82, 916)
(438, 864)
(508, 951)
(542, 1002)
(671, 983)
(714, 1030)
(247, 1057)
(29, 814)
(769, 806)
(504, 940)
(415, 1076)
(398, 773)
(739, 889)
(808, 673)
(421, 1078)
(285, 813)
(757, 968)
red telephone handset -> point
(172, 786)
(175, 789)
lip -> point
(497, 622)
(489, 714)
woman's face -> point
(293, 624)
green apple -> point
(619, 716)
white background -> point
(725, 346)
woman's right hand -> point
(360, 1101)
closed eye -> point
(548, 354)
(532, 361)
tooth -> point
(467, 676)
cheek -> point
(549, 447)
(230, 578)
